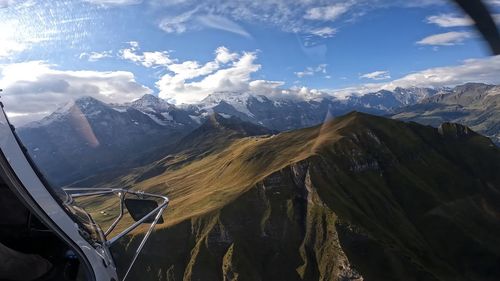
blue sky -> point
(168, 47)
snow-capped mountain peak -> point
(87, 105)
(151, 103)
(238, 100)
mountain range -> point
(88, 136)
(358, 197)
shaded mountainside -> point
(358, 198)
(475, 105)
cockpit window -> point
(276, 132)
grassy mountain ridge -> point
(357, 198)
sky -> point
(184, 50)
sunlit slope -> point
(204, 185)
(358, 197)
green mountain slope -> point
(358, 198)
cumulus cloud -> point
(376, 75)
(265, 85)
(446, 39)
(190, 21)
(190, 81)
(472, 70)
(327, 13)
(147, 59)
(96, 56)
(9, 47)
(483, 70)
(310, 71)
(223, 55)
(36, 88)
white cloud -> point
(37, 88)
(18, 3)
(472, 70)
(327, 13)
(179, 86)
(223, 55)
(483, 70)
(377, 75)
(95, 56)
(310, 71)
(133, 44)
(147, 59)
(222, 23)
(265, 84)
(192, 69)
(301, 93)
(446, 39)
(190, 81)
(114, 2)
(265, 87)
(190, 21)
(450, 20)
(293, 16)
(9, 47)
(176, 24)
(325, 32)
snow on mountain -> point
(276, 112)
(88, 106)
(238, 100)
(150, 102)
(412, 95)
(159, 110)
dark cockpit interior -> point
(28, 249)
